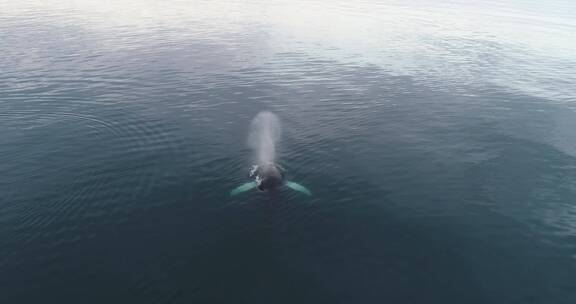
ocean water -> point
(438, 139)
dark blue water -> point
(438, 140)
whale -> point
(267, 174)
(268, 178)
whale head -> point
(269, 177)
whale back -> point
(270, 176)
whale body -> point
(268, 177)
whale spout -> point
(264, 134)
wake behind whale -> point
(268, 175)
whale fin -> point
(298, 187)
(243, 188)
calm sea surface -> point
(438, 138)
